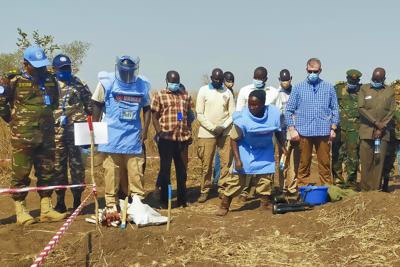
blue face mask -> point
(376, 85)
(313, 77)
(64, 75)
(173, 87)
(259, 84)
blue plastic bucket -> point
(314, 195)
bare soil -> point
(359, 231)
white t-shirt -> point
(214, 107)
(243, 97)
(281, 101)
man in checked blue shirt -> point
(312, 115)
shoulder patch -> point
(340, 83)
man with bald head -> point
(377, 105)
(214, 108)
(170, 108)
(260, 78)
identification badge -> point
(180, 116)
(127, 115)
(47, 101)
(63, 120)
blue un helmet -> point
(127, 69)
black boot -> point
(60, 206)
(77, 198)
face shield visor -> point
(127, 69)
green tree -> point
(76, 50)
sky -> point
(193, 37)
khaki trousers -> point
(206, 152)
(125, 171)
(236, 182)
(322, 147)
(291, 168)
(371, 164)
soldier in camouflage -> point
(34, 96)
(394, 145)
(75, 97)
(345, 147)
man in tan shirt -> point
(376, 105)
(214, 107)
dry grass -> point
(351, 233)
(5, 153)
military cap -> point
(36, 57)
(61, 60)
(354, 74)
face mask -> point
(39, 75)
(216, 85)
(285, 84)
(229, 84)
(259, 84)
(352, 87)
(173, 87)
(64, 75)
(313, 77)
(376, 85)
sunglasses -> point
(313, 71)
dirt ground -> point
(359, 231)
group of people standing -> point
(250, 134)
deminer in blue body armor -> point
(122, 95)
(253, 150)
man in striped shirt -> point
(312, 116)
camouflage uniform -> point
(345, 148)
(32, 132)
(392, 152)
(74, 104)
(5, 95)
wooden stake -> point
(124, 215)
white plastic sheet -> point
(142, 214)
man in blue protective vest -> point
(253, 150)
(122, 95)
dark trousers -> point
(177, 151)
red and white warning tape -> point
(56, 238)
(149, 157)
(39, 188)
(156, 157)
